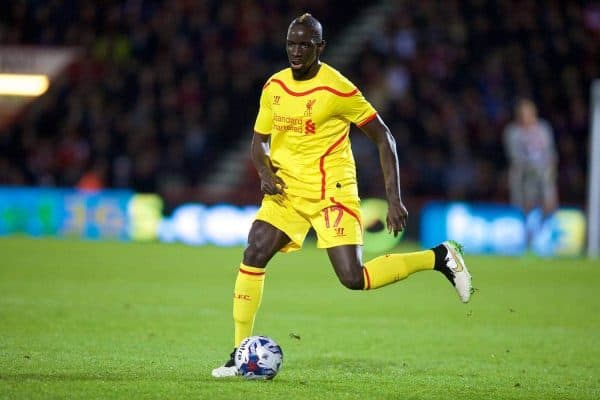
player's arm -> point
(381, 135)
(259, 152)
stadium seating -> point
(166, 88)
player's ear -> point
(321, 47)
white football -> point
(258, 357)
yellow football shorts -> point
(335, 221)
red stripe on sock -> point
(251, 273)
(368, 279)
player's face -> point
(303, 53)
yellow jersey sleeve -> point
(264, 119)
(357, 109)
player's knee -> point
(256, 256)
(352, 281)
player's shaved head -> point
(312, 24)
(304, 45)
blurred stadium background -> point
(160, 96)
(162, 91)
(142, 127)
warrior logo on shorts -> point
(309, 106)
(339, 232)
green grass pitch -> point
(121, 320)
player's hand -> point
(271, 183)
(397, 217)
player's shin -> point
(246, 300)
(391, 268)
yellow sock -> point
(391, 268)
(246, 300)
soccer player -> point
(302, 153)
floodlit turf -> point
(111, 320)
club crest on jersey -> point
(309, 106)
(309, 127)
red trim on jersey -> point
(346, 209)
(369, 119)
(322, 163)
(328, 88)
(266, 84)
(368, 279)
(251, 273)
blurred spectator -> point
(93, 178)
(529, 144)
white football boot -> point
(457, 273)
(226, 370)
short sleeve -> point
(357, 109)
(264, 119)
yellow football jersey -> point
(309, 122)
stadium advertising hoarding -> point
(503, 229)
(65, 212)
(125, 215)
(227, 225)
(197, 224)
(119, 215)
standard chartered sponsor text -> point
(284, 123)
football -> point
(258, 357)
